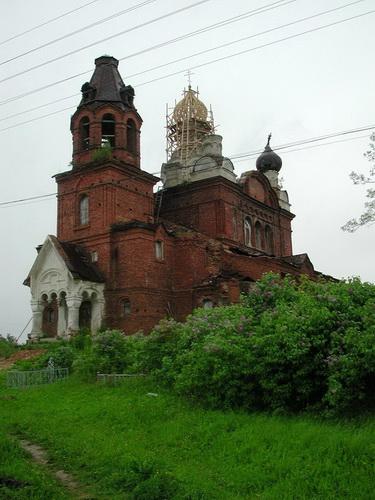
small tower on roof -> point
(187, 125)
(269, 163)
(194, 151)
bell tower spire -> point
(106, 124)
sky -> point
(297, 87)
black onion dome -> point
(268, 160)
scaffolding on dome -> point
(186, 126)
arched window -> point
(108, 130)
(258, 235)
(131, 136)
(247, 232)
(159, 250)
(84, 210)
(126, 307)
(84, 132)
(269, 240)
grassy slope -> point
(31, 482)
(95, 432)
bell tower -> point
(106, 185)
(106, 122)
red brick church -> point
(125, 255)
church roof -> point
(107, 86)
(75, 258)
(77, 261)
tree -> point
(368, 215)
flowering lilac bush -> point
(288, 346)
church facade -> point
(125, 255)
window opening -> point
(84, 210)
(126, 307)
(258, 235)
(159, 250)
(247, 232)
(269, 240)
(84, 132)
(207, 304)
(108, 130)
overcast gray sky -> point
(300, 88)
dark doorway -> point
(85, 314)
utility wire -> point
(92, 44)
(182, 59)
(227, 44)
(242, 156)
(205, 29)
(208, 63)
(307, 141)
(3, 203)
(255, 155)
(80, 30)
(47, 22)
(255, 48)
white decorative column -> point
(37, 308)
(62, 326)
(97, 314)
(73, 304)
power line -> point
(47, 22)
(80, 30)
(4, 203)
(227, 44)
(308, 141)
(92, 44)
(205, 29)
(302, 149)
(242, 156)
(197, 66)
(255, 48)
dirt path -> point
(24, 354)
(40, 456)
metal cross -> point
(188, 74)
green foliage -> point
(110, 352)
(368, 216)
(144, 480)
(8, 345)
(102, 154)
(82, 340)
(289, 346)
(62, 357)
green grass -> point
(19, 479)
(121, 443)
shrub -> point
(290, 345)
(82, 340)
(111, 352)
(102, 154)
(62, 357)
(8, 345)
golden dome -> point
(190, 107)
